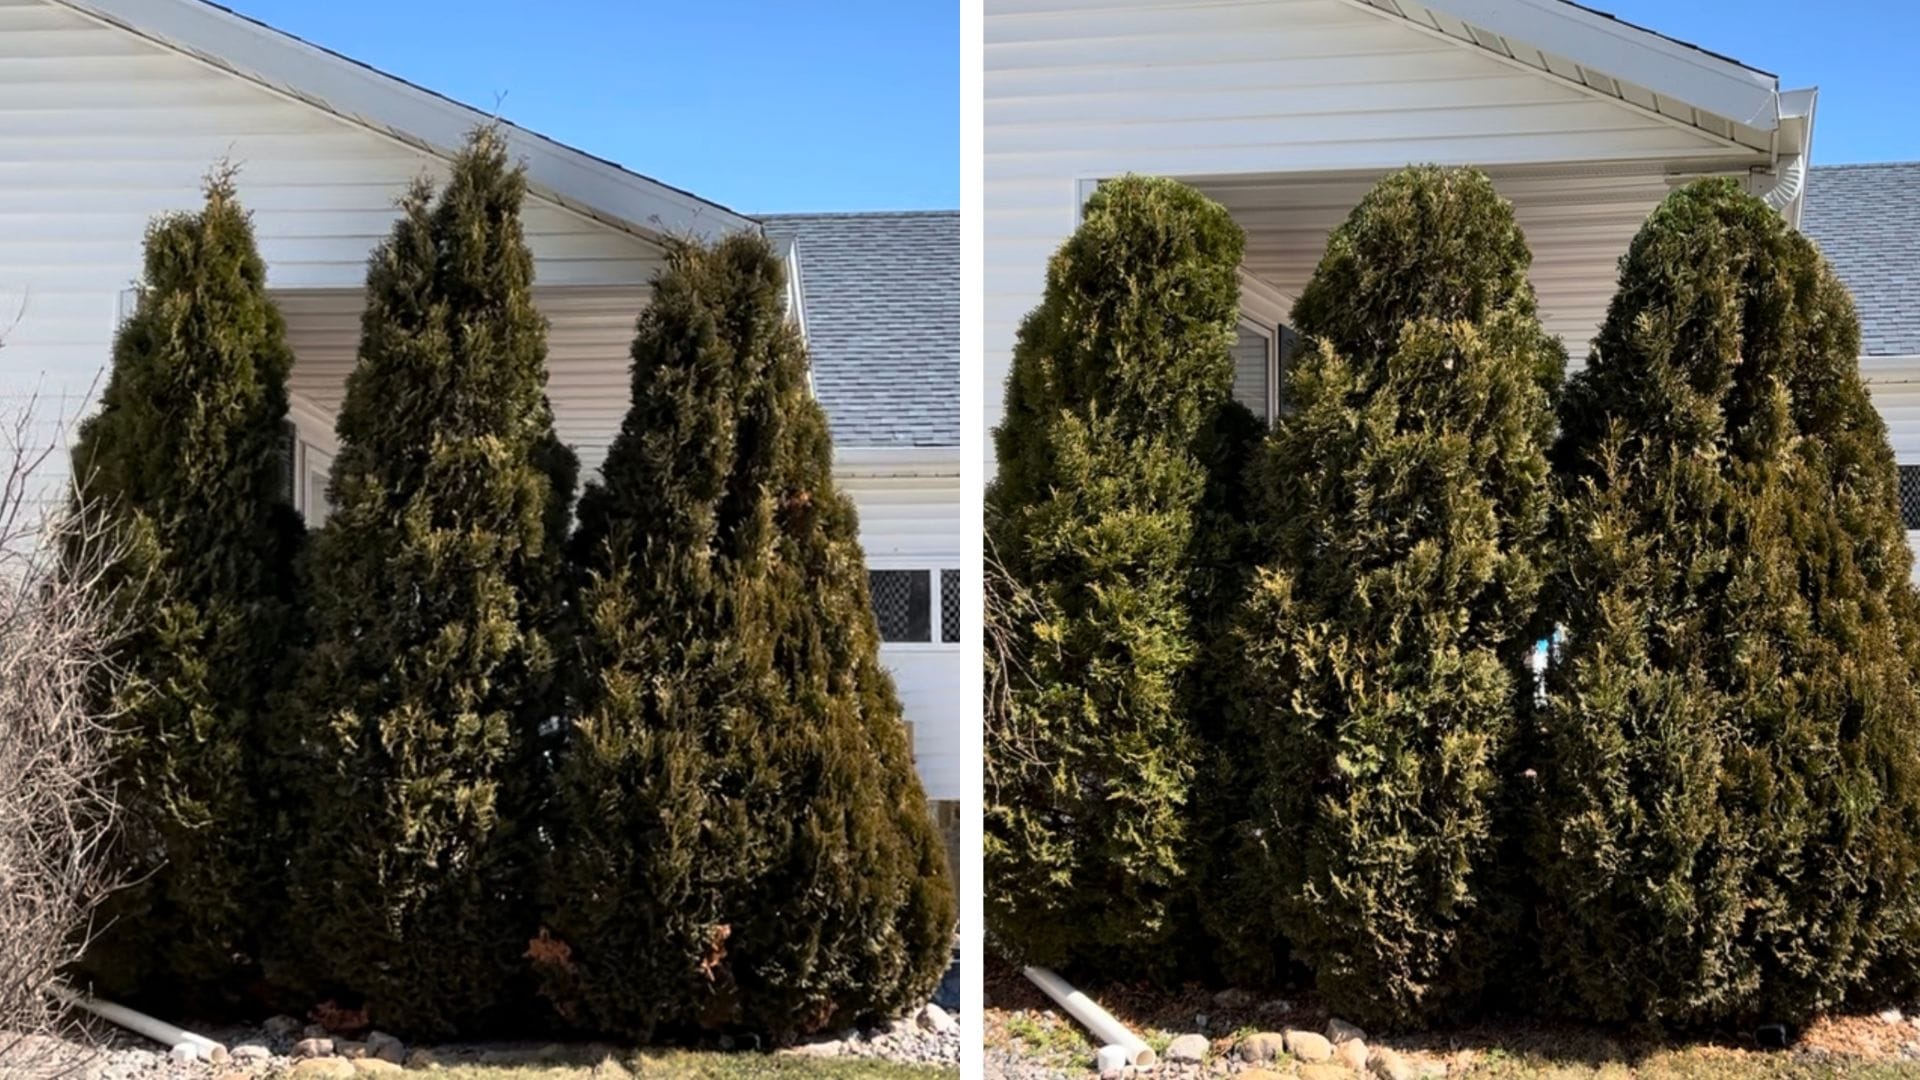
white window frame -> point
(931, 567)
(1271, 334)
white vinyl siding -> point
(1895, 384)
(1078, 90)
(912, 522)
(100, 130)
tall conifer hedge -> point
(435, 588)
(1402, 505)
(186, 453)
(1730, 789)
(1119, 379)
(740, 840)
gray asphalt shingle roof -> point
(881, 297)
(1866, 219)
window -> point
(903, 605)
(1910, 497)
(900, 604)
(1253, 356)
(950, 606)
(288, 454)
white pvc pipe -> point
(1091, 1016)
(158, 1030)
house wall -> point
(1895, 384)
(100, 130)
(1084, 89)
(912, 522)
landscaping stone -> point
(1387, 1064)
(385, 1047)
(1111, 1058)
(1325, 1070)
(936, 1019)
(1890, 1016)
(282, 1028)
(1260, 1074)
(1275, 1005)
(250, 1052)
(348, 1048)
(323, 1068)
(1187, 1050)
(373, 1066)
(1233, 999)
(1352, 1053)
(422, 1058)
(1309, 1046)
(1339, 1031)
(1261, 1046)
(312, 1047)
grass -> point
(1688, 1063)
(704, 1065)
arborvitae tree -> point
(1119, 381)
(1402, 507)
(1730, 793)
(740, 840)
(434, 588)
(186, 457)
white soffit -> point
(412, 114)
(1737, 105)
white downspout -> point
(1095, 1019)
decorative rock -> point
(1111, 1058)
(936, 1019)
(282, 1027)
(1890, 1016)
(323, 1068)
(385, 1047)
(422, 1058)
(1234, 998)
(1324, 1071)
(1339, 1031)
(1387, 1064)
(315, 1031)
(373, 1066)
(1187, 1050)
(1259, 1074)
(824, 1048)
(1308, 1045)
(1262, 1046)
(1276, 1005)
(347, 1048)
(1201, 1020)
(235, 1076)
(311, 1047)
(250, 1052)
(1351, 1053)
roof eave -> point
(1627, 52)
(385, 103)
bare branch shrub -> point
(56, 798)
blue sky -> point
(1862, 54)
(769, 106)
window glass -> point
(902, 604)
(949, 605)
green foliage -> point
(434, 590)
(185, 456)
(741, 842)
(1727, 824)
(1120, 386)
(1401, 511)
